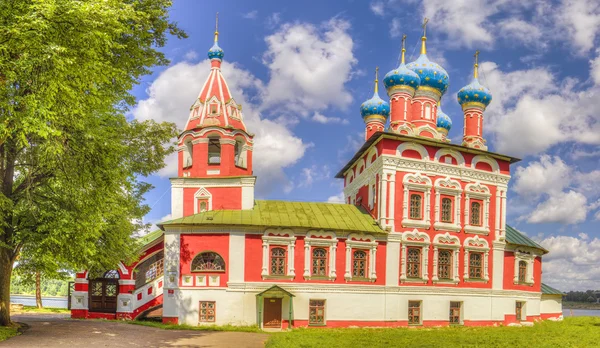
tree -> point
(71, 164)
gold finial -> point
(376, 80)
(217, 28)
(424, 38)
(403, 49)
(476, 68)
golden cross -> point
(425, 21)
(376, 79)
(476, 70)
(403, 49)
(476, 57)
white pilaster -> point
(392, 260)
(171, 265)
(237, 256)
(176, 202)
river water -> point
(581, 312)
(50, 302)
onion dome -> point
(433, 76)
(401, 78)
(444, 122)
(475, 94)
(216, 52)
(375, 107)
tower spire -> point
(424, 38)
(403, 48)
(377, 80)
(476, 66)
(217, 27)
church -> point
(421, 239)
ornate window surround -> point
(421, 183)
(416, 239)
(450, 187)
(202, 194)
(325, 240)
(528, 257)
(476, 244)
(446, 241)
(478, 191)
(363, 242)
(279, 237)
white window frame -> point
(278, 237)
(480, 245)
(416, 182)
(415, 239)
(202, 193)
(448, 187)
(363, 242)
(529, 258)
(482, 192)
(449, 242)
(372, 193)
(326, 240)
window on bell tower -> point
(214, 150)
(187, 153)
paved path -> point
(57, 330)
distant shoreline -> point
(581, 305)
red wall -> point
(222, 198)
(509, 272)
(193, 244)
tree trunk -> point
(38, 290)
(5, 274)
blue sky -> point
(302, 69)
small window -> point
(413, 262)
(208, 311)
(476, 214)
(278, 261)
(522, 271)
(359, 264)
(155, 270)
(316, 312)
(240, 154)
(319, 262)
(214, 109)
(445, 264)
(188, 154)
(446, 210)
(428, 112)
(214, 151)
(415, 207)
(203, 205)
(455, 313)
(208, 262)
(475, 265)
(519, 310)
(414, 312)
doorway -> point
(103, 293)
(272, 313)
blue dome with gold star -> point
(401, 78)
(474, 92)
(375, 107)
(216, 52)
(444, 122)
(431, 74)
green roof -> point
(150, 237)
(330, 216)
(548, 290)
(514, 236)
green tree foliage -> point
(50, 287)
(71, 164)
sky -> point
(301, 70)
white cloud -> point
(310, 175)
(273, 20)
(191, 55)
(514, 29)
(595, 68)
(309, 67)
(339, 198)
(175, 89)
(562, 207)
(378, 8)
(320, 118)
(571, 263)
(581, 20)
(250, 15)
(395, 28)
(550, 174)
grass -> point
(572, 332)
(33, 309)
(8, 332)
(196, 328)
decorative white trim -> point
(446, 241)
(478, 191)
(278, 236)
(460, 160)
(486, 159)
(416, 182)
(476, 244)
(523, 254)
(321, 239)
(413, 146)
(449, 187)
(202, 193)
(244, 181)
(372, 151)
(365, 242)
(418, 239)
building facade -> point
(422, 237)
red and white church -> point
(422, 238)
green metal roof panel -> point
(150, 237)
(513, 236)
(548, 290)
(332, 216)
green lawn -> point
(7, 332)
(33, 309)
(572, 332)
(197, 328)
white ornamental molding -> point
(417, 239)
(363, 242)
(451, 243)
(480, 192)
(476, 244)
(421, 183)
(281, 237)
(326, 240)
(450, 187)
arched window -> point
(149, 269)
(475, 265)
(319, 262)
(413, 263)
(208, 261)
(359, 264)
(445, 264)
(112, 274)
(428, 112)
(476, 214)
(415, 206)
(446, 210)
(240, 153)
(278, 261)
(214, 150)
(522, 271)
(188, 153)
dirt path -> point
(57, 330)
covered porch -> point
(270, 305)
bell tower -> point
(215, 150)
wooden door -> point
(272, 313)
(103, 295)
(519, 310)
